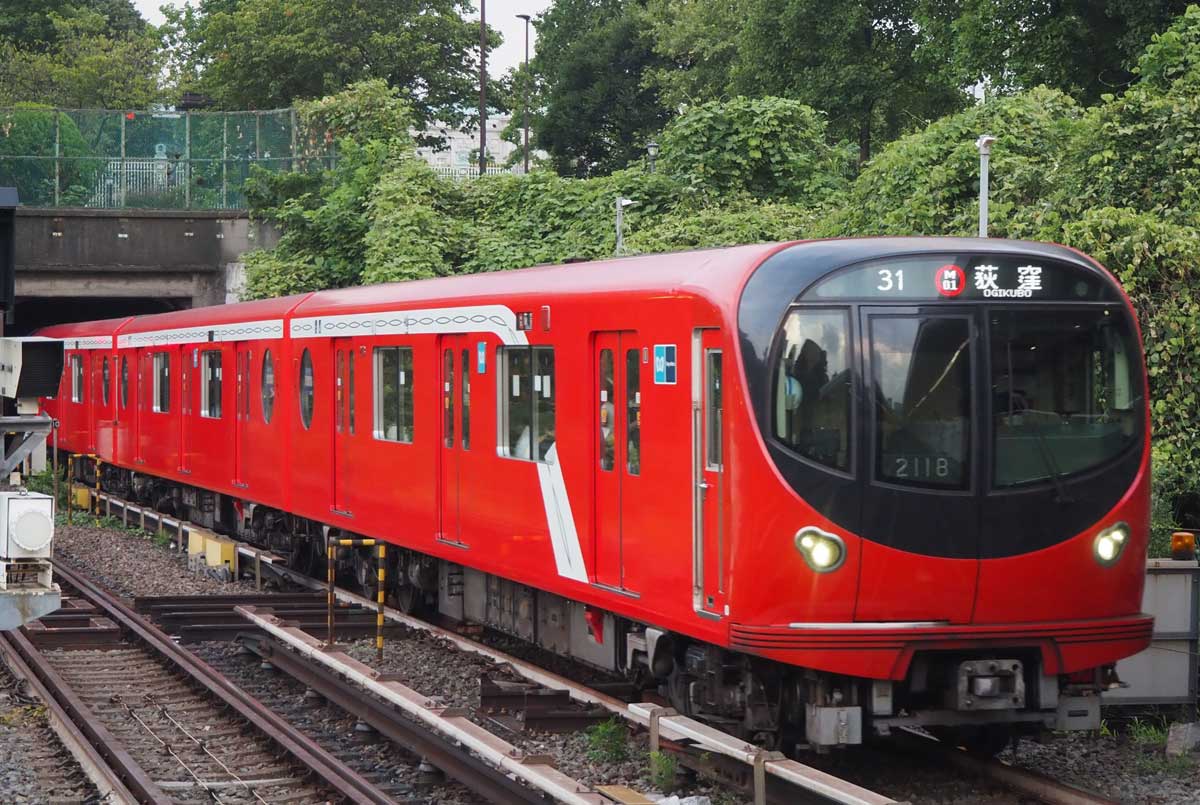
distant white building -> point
(459, 157)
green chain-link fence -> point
(147, 159)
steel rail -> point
(302, 749)
(114, 773)
(1039, 786)
(486, 781)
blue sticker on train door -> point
(481, 357)
(664, 364)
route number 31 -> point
(890, 280)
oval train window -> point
(306, 389)
(124, 382)
(268, 387)
(104, 380)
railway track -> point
(151, 723)
(769, 777)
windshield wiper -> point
(1061, 496)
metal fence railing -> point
(148, 159)
(471, 172)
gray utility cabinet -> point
(1166, 672)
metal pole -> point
(187, 160)
(54, 459)
(122, 171)
(329, 549)
(224, 159)
(57, 157)
(381, 571)
(482, 87)
(292, 120)
(525, 78)
(620, 226)
(984, 144)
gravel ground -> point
(34, 766)
(135, 563)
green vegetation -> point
(663, 770)
(608, 741)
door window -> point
(921, 375)
(713, 409)
(448, 397)
(466, 399)
(633, 412)
(77, 378)
(124, 382)
(307, 392)
(527, 402)
(104, 380)
(210, 384)
(606, 411)
(162, 382)
(268, 387)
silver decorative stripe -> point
(870, 625)
(239, 331)
(91, 342)
(497, 319)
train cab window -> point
(124, 382)
(77, 378)
(812, 386)
(466, 399)
(1064, 394)
(393, 394)
(305, 387)
(713, 410)
(633, 412)
(104, 381)
(921, 378)
(268, 387)
(527, 402)
(162, 382)
(210, 386)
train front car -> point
(949, 529)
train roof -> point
(716, 273)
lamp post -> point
(482, 87)
(622, 203)
(652, 152)
(984, 144)
(525, 111)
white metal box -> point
(27, 523)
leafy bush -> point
(768, 147)
(608, 741)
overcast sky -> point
(501, 16)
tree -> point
(29, 24)
(86, 65)
(271, 53)
(1083, 47)
(598, 113)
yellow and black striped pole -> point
(96, 465)
(381, 570)
(330, 550)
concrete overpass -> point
(78, 264)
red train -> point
(809, 489)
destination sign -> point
(969, 277)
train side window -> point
(633, 412)
(268, 387)
(393, 394)
(527, 407)
(812, 386)
(104, 381)
(210, 386)
(162, 382)
(77, 378)
(307, 394)
(466, 399)
(124, 382)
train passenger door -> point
(617, 400)
(708, 447)
(455, 378)
(241, 411)
(141, 402)
(187, 370)
(92, 399)
(344, 421)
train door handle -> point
(704, 485)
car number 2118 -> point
(921, 467)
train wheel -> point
(410, 600)
(364, 573)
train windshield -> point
(1063, 394)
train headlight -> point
(822, 551)
(1110, 543)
